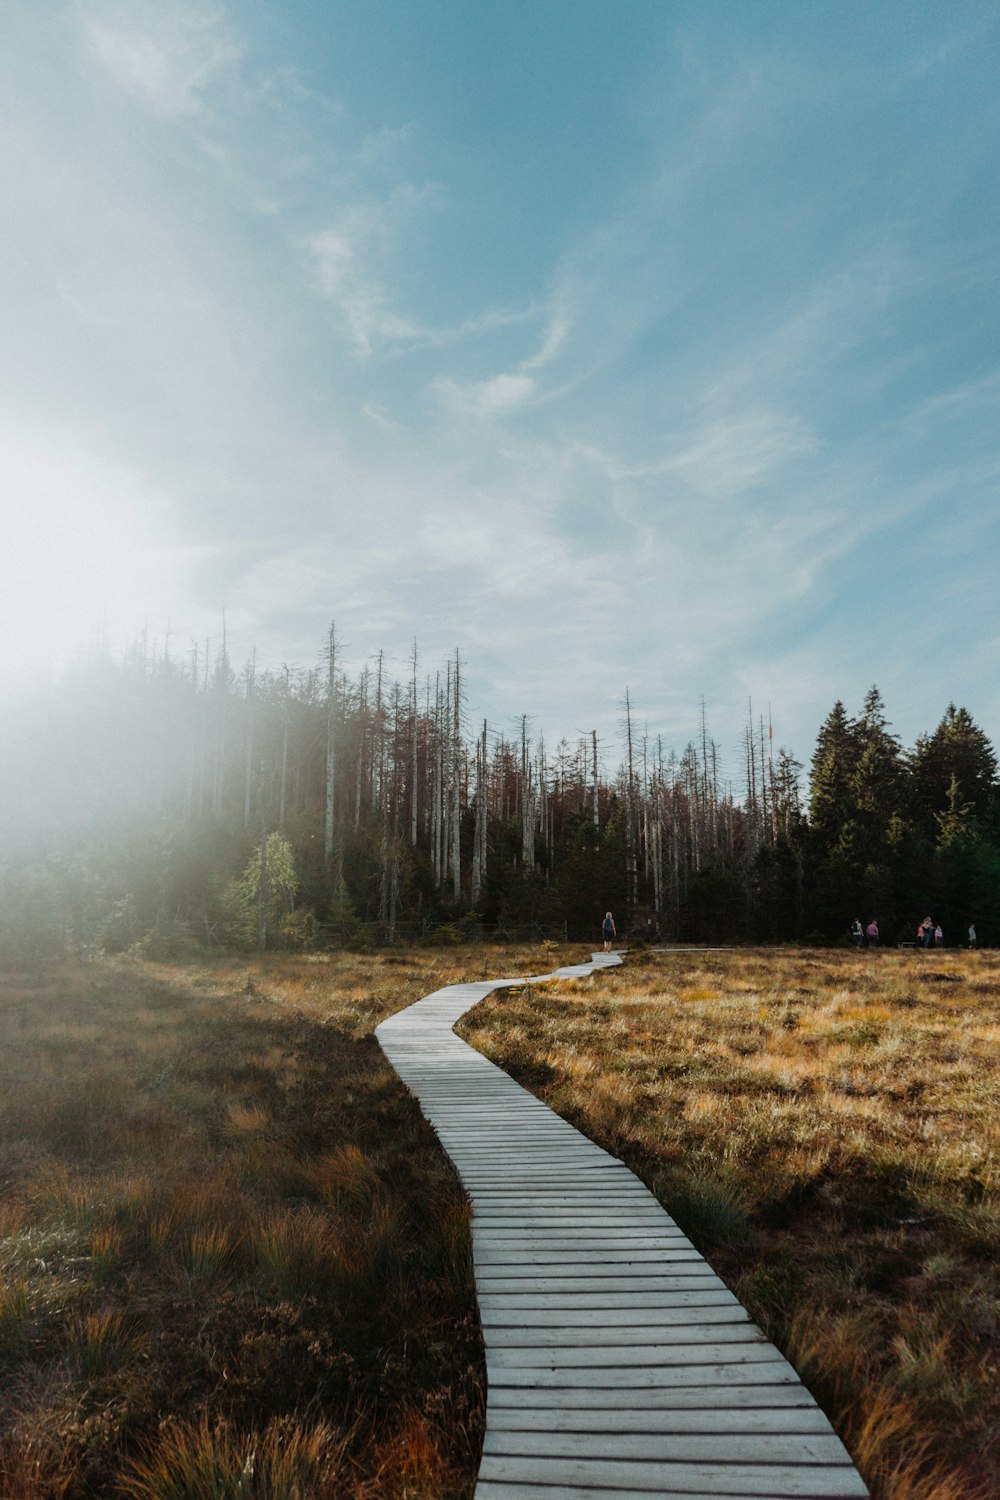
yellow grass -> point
(826, 1127)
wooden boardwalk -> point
(618, 1364)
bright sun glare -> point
(77, 563)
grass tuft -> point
(710, 1210)
(96, 1343)
(298, 1253)
(287, 1461)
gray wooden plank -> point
(596, 1335)
(590, 1281)
(492, 1256)
(567, 1224)
(732, 1394)
(692, 1291)
(770, 1370)
(632, 1357)
(565, 1214)
(509, 1230)
(681, 1419)
(776, 1481)
(589, 1312)
(568, 1190)
(515, 1489)
(593, 1237)
(711, 1447)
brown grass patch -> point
(230, 1245)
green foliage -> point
(954, 765)
(893, 836)
(259, 907)
(831, 800)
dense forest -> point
(162, 805)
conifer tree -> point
(831, 799)
(958, 751)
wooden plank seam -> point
(618, 1364)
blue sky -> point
(646, 344)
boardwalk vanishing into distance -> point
(618, 1364)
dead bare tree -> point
(331, 752)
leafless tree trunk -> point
(286, 699)
(437, 833)
(597, 805)
(456, 821)
(362, 727)
(248, 761)
(331, 724)
(630, 837)
(413, 752)
(376, 793)
(479, 837)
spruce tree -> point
(831, 795)
(958, 751)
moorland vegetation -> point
(826, 1129)
(235, 1263)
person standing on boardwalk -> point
(857, 932)
(609, 930)
(972, 935)
(872, 933)
(938, 936)
(928, 931)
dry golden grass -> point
(234, 1259)
(826, 1128)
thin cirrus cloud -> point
(167, 55)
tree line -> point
(167, 804)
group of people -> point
(928, 932)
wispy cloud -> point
(363, 303)
(166, 54)
(484, 398)
(727, 456)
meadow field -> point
(825, 1126)
(236, 1264)
(234, 1260)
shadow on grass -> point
(255, 1254)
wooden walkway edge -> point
(618, 1364)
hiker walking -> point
(857, 932)
(938, 936)
(872, 933)
(609, 930)
(972, 935)
(928, 931)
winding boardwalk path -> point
(618, 1364)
